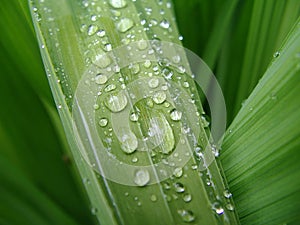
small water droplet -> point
(110, 87)
(227, 194)
(126, 194)
(176, 58)
(153, 198)
(116, 102)
(204, 122)
(186, 215)
(141, 177)
(118, 4)
(103, 60)
(178, 172)
(276, 54)
(186, 84)
(194, 167)
(187, 197)
(108, 47)
(179, 188)
(134, 159)
(135, 68)
(159, 97)
(153, 83)
(93, 18)
(142, 44)
(164, 24)
(103, 122)
(125, 24)
(166, 186)
(101, 79)
(92, 29)
(229, 207)
(218, 208)
(94, 211)
(168, 73)
(96, 106)
(101, 33)
(134, 117)
(176, 115)
(147, 63)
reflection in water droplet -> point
(179, 188)
(187, 197)
(159, 97)
(101, 79)
(176, 115)
(125, 24)
(186, 215)
(116, 102)
(141, 177)
(118, 3)
(153, 83)
(178, 172)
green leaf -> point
(261, 148)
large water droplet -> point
(141, 177)
(125, 24)
(176, 115)
(118, 3)
(116, 102)
(128, 140)
(186, 215)
(159, 97)
(179, 188)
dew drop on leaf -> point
(141, 177)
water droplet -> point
(227, 194)
(92, 29)
(101, 33)
(153, 83)
(147, 63)
(93, 18)
(176, 115)
(194, 167)
(142, 44)
(100, 79)
(118, 4)
(186, 215)
(168, 73)
(103, 122)
(178, 172)
(134, 159)
(186, 84)
(134, 117)
(135, 68)
(94, 211)
(125, 24)
(204, 122)
(141, 177)
(181, 69)
(110, 87)
(159, 97)
(128, 140)
(229, 207)
(153, 198)
(187, 197)
(108, 47)
(218, 208)
(103, 60)
(179, 188)
(96, 106)
(176, 58)
(276, 54)
(164, 24)
(166, 186)
(116, 102)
